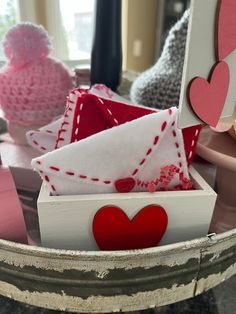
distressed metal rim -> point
(79, 281)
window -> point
(69, 26)
(8, 17)
(77, 21)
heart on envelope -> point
(113, 230)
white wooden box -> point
(66, 221)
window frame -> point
(50, 18)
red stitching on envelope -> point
(156, 139)
(171, 170)
(71, 173)
(82, 177)
(109, 112)
(149, 152)
(95, 179)
(135, 171)
(174, 134)
(46, 177)
(107, 182)
(104, 89)
(67, 114)
(192, 146)
(142, 162)
(164, 124)
(150, 149)
(54, 168)
(37, 143)
(78, 122)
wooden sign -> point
(208, 93)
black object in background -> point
(106, 59)
(173, 10)
(3, 126)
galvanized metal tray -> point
(99, 282)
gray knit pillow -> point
(159, 86)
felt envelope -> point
(44, 139)
(88, 111)
(92, 111)
(130, 156)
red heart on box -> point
(113, 230)
(208, 98)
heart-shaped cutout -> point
(113, 230)
(208, 98)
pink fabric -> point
(24, 43)
(35, 94)
(33, 86)
(12, 224)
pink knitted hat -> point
(33, 86)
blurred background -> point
(70, 23)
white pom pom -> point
(25, 43)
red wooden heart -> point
(113, 230)
(125, 185)
(208, 98)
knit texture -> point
(32, 90)
(160, 85)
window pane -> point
(8, 17)
(77, 20)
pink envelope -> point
(12, 224)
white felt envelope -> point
(136, 152)
(44, 139)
